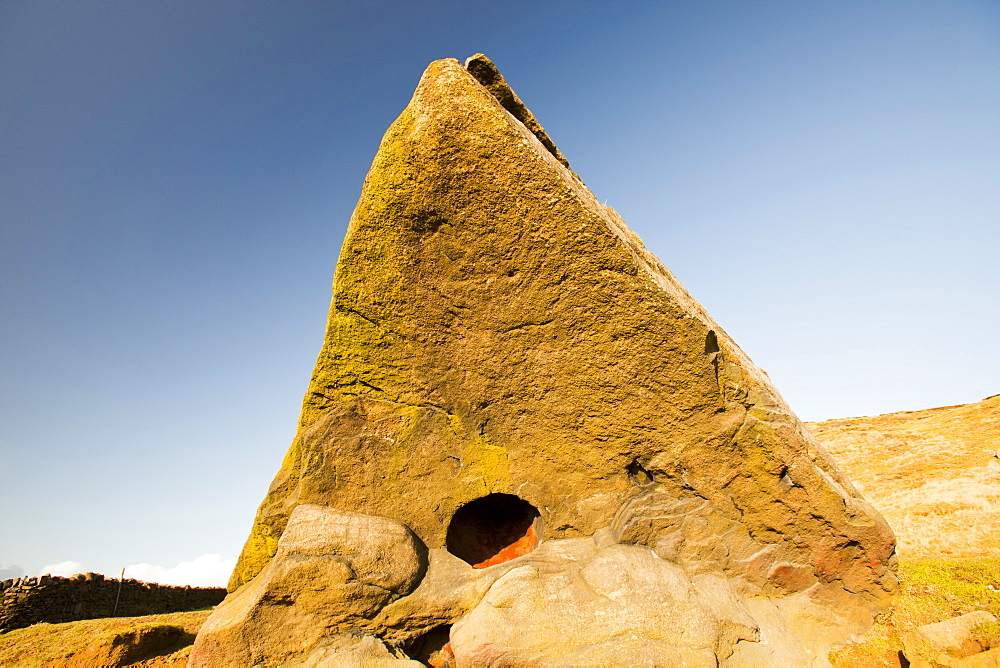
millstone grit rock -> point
(935, 643)
(505, 367)
(332, 570)
(597, 609)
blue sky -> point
(176, 179)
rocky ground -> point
(934, 474)
(932, 591)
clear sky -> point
(176, 179)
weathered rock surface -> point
(332, 572)
(934, 474)
(570, 604)
(987, 659)
(576, 601)
(506, 363)
(353, 652)
(494, 328)
(936, 644)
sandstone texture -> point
(575, 601)
(333, 570)
(943, 642)
(934, 474)
(988, 659)
(569, 460)
(563, 607)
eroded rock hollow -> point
(525, 443)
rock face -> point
(568, 607)
(332, 570)
(594, 470)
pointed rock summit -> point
(524, 443)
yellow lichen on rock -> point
(487, 464)
(496, 329)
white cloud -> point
(208, 570)
(11, 572)
(63, 568)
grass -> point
(931, 591)
(55, 644)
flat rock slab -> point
(951, 638)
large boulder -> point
(496, 329)
(507, 368)
(333, 571)
(570, 604)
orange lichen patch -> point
(519, 548)
(442, 658)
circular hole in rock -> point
(493, 529)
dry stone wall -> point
(26, 601)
